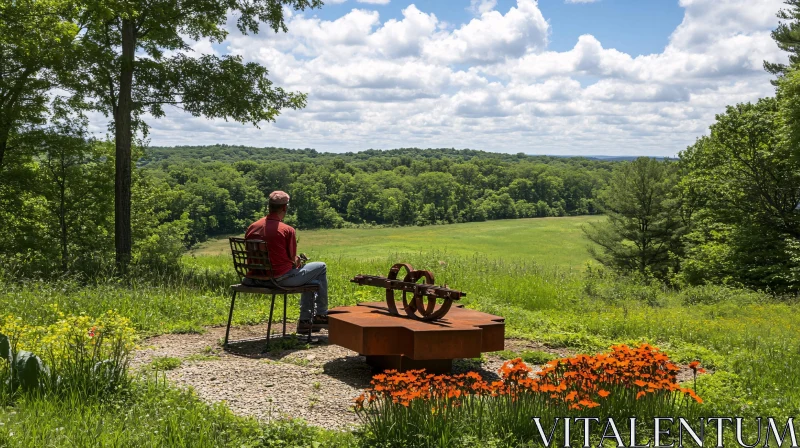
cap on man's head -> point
(278, 198)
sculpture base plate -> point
(402, 343)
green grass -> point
(532, 272)
(151, 415)
(547, 241)
(165, 363)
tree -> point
(73, 181)
(787, 36)
(35, 39)
(134, 57)
(643, 225)
(743, 184)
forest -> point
(395, 187)
(185, 195)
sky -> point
(560, 77)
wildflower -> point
(603, 393)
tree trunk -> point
(62, 218)
(3, 145)
(123, 133)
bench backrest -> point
(251, 258)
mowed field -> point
(545, 241)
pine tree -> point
(787, 36)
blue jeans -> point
(315, 273)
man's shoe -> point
(303, 326)
(318, 323)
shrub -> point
(714, 294)
(80, 353)
(165, 363)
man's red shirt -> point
(281, 242)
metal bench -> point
(251, 260)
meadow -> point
(548, 241)
(537, 273)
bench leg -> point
(269, 322)
(230, 317)
(311, 327)
(284, 316)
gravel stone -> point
(316, 383)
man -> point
(287, 268)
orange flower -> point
(603, 393)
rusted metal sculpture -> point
(416, 308)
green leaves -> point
(29, 371)
(212, 86)
(643, 228)
(36, 38)
(740, 187)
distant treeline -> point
(223, 188)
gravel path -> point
(315, 382)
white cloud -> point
(492, 83)
(479, 7)
(493, 37)
(405, 37)
(375, 2)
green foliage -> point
(27, 372)
(714, 294)
(723, 392)
(162, 363)
(787, 36)
(643, 227)
(741, 186)
(58, 211)
(224, 188)
(76, 354)
(35, 40)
